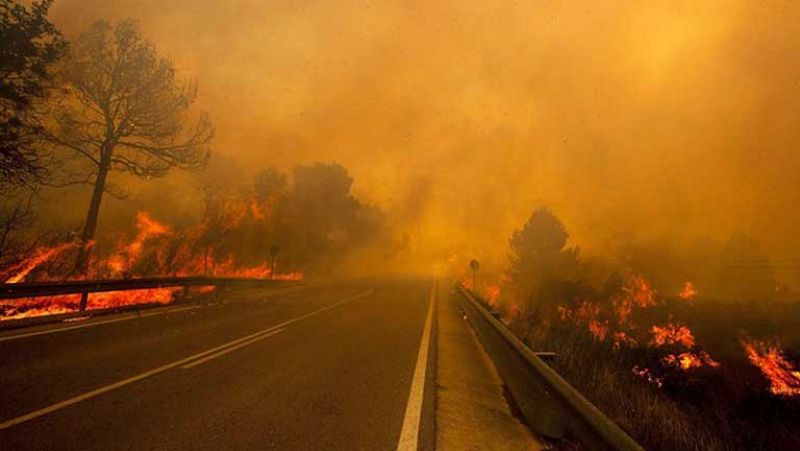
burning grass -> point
(52, 305)
(692, 375)
(155, 249)
(783, 376)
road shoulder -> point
(471, 412)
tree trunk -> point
(82, 262)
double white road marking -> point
(186, 363)
(229, 349)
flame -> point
(256, 210)
(148, 228)
(235, 212)
(172, 254)
(114, 299)
(228, 268)
(492, 295)
(621, 338)
(52, 305)
(295, 276)
(783, 375)
(40, 256)
(598, 330)
(490, 292)
(36, 306)
(688, 293)
(615, 324)
(204, 289)
(640, 291)
(672, 334)
(689, 360)
(587, 313)
(637, 292)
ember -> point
(689, 360)
(688, 293)
(646, 374)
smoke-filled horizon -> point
(632, 121)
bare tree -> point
(14, 217)
(124, 110)
(29, 44)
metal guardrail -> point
(26, 290)
(549, 403)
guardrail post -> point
(84, 300)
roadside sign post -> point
(474, 265)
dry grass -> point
(693, 414)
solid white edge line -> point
(409, 434)
(230, 349)
(99, 391)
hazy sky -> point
(630, 117)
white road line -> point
(409, 434)
(95, 323)
(230, 349)
(161, 369)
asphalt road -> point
(322, 367)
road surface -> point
(317, 367)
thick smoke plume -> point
(636, 122)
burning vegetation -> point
(688, 346)
(685, 370)
(783, 375)
(306, 225)
(108, 111)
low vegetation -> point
(674, 368)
